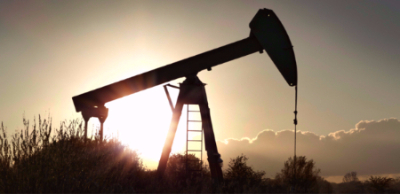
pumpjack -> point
(266, 33)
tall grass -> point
(35, 161)
(43, 159)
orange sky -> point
(347, 54)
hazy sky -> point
(347, 54)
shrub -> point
(240, 177)
(379, 184)
(350, 177)
(34, 162)
(306, 178)
(42, 159)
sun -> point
(142, 121)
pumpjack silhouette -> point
(267, 33)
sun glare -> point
(142, 121)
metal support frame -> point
(188, 111)
(99, 112)
(267, 33)
(192, 91)
(168, 96)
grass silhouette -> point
(42, 159)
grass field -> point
(43, 159)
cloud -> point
(372, 147)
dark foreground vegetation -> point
(34, 161)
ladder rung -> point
(197, 163)
(194, 121)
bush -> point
(240, 177)
(350, 184)
(306, 178)
(350, 177)
(40, 159)
(379, 184)
(65, 163)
